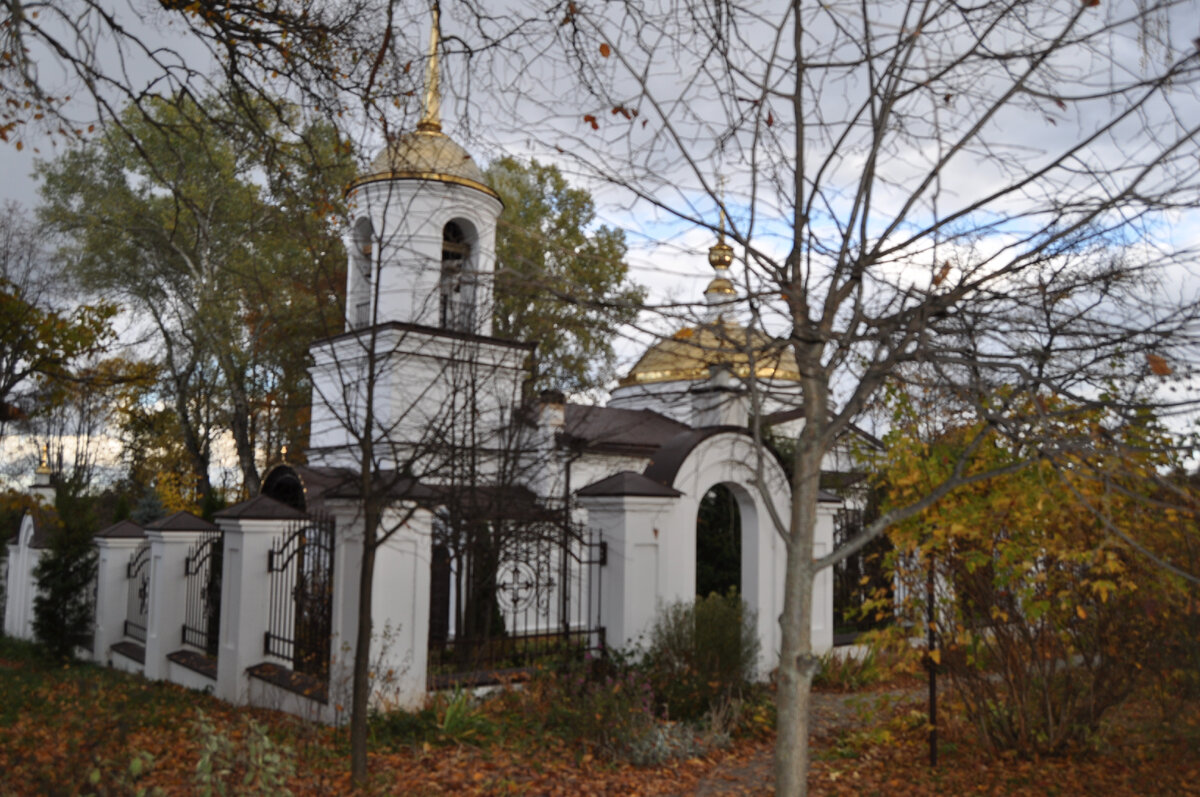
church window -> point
(457, 299)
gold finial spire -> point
(431, 116)
(283, 453)
(44, 466)
(720, 256)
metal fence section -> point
(202, 613)
(525, 602)
(137, 606)
(300, 623)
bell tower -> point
(417, 368)
(423, 240)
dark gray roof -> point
(617, 431)
(260, 507)
(667, 461)
(181, 521)
(629, 483)
(122, 530)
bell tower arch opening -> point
(362, 264)
(456, 287)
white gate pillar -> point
(249, 529)
(114, 546)
(399, 602)
(21, 586)
(170, 538)
(629, 511)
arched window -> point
(363, 262)
(457, 294)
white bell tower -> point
(423, 241)
(419, 304)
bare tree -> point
(982, 198)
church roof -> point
(615, 430)
(688, 354)
(427, 154)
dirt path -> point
(831, 713)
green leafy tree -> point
(212, 220)
(63, 610)
(559, 281)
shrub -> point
(457, 718)
(700, 654)
(845, 673)
(63, 610)
(252, 764)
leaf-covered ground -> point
(83, 730)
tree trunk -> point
(239, 426)
(796, 661)
(361, 692)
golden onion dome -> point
(689, 353)
(720, 285)
(426, 154)
(720, 254)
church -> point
(511, 528)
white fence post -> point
(114, 545)
(170, 538)
(249, 528)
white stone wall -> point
(429, 388)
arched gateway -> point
(649, 518)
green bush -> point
(63, 611)
(701, 654)
(457, 718)
(252, 765)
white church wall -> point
(427, 386)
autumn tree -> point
(40, 340)
(969, 196)
(222, 241)
(562, 280)
(1045, 619)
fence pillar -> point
(633, 584)
(400, 606)
(170, 538)
(20, 585)
(114, 546)
(249, 530)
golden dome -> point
(720, 254)
(688, 354)
(720, 285)
(426, 154)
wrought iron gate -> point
(202, 615)
(301, 620)
(137, 605)
(526, 602)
